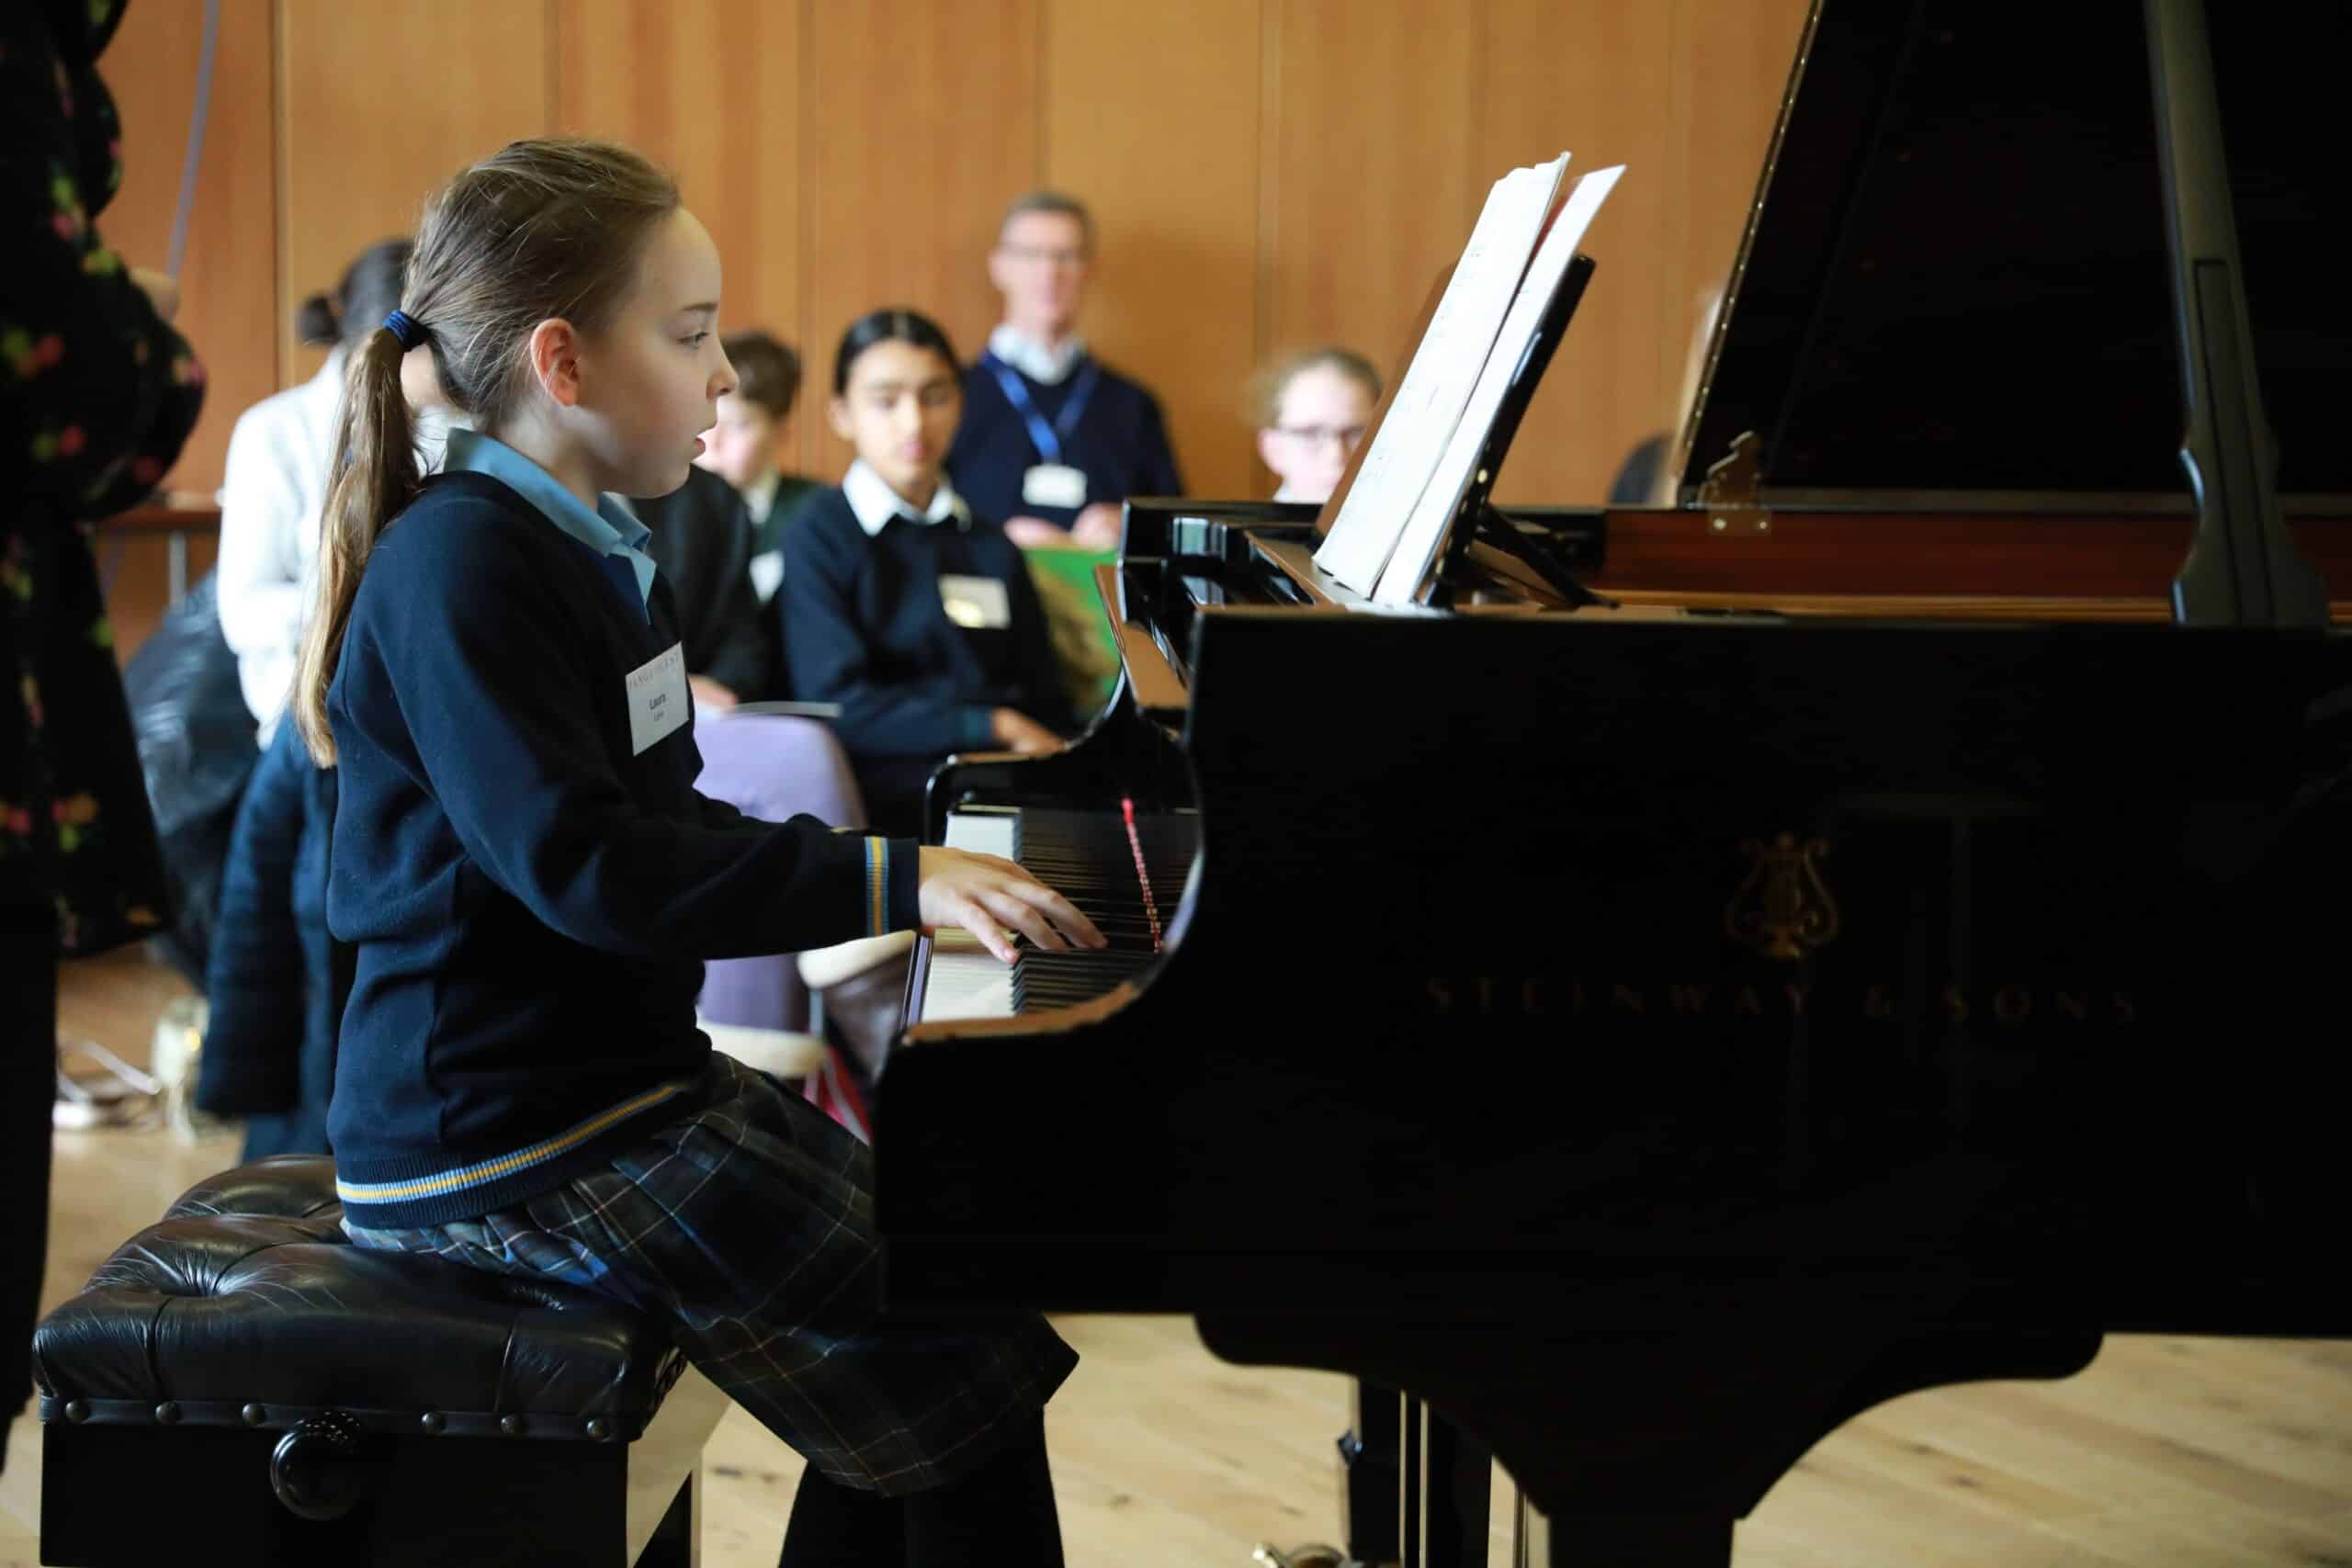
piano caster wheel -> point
(1311, 1556)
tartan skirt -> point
(749, 1224)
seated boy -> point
(748, 447)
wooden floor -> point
(2165, 1452)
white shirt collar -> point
(1032, 358)
(759, 496)
(610, 528)
(873, 502)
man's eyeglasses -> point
(1054, 255)
(1348, 436)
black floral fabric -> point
(98, 394)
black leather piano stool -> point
(239, 1383)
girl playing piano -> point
(530, 881)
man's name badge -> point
(974, 602)
(1054, 484)
(657, 698)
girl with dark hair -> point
(900, 604)
(530, 881)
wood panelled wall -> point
(229, 294)
(1266, 174)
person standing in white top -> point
(276, 480)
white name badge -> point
(767, 574)
(975, 600)
(1054, 484)
(658, 703)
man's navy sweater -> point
(864, 626)
(1120, 440)
(530, 897)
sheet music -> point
(1437, 383)
(1423, 537)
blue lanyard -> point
(1046, 438)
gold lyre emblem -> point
(1783, 910)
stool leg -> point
(677, 1541)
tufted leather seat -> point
(245, 1305)
(246, 1308)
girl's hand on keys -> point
(994, 898)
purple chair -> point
(772, 767)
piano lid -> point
(1957, 277)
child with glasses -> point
(1312, 410)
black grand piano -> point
(1894, 938)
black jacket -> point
(530, 879)
(269, 1045)
(702, 547)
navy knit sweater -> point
(531, 898)
(864, 626)
(1120, 440)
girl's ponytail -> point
(374, 478)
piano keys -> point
(954, 977)
(1090, 860)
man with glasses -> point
(1053, 440)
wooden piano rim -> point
(1049, 1020)
(1151, 673)
(1894, 606)
(2104, 566)
(2005, 564)
(2040, 566)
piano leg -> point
(1441, 1494)
(1369, 1477)
(1618, 1542)
(1410, 1479)
(1454, 1486)
(1650, 1444)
